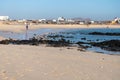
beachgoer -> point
(27, 25)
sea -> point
(74, 35)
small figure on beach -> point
(27, 27)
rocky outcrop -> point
(112, 45)
(108, 34)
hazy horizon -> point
(49, 9)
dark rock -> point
(80, 43)
(109, 34)
(83, 38)
(33, 41)
(97, 39)
(112, 45)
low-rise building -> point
(116, 21)
(81, 22)
(43, 21)
(70, 21)
(92, 22)
(4, 18)
(23, 20)
(61, 20)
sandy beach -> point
(21, 28)
(1, 38)
(59, 40)
(24, 62)
(47, 63)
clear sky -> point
(36, 9)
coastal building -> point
(119, 20)
(40, 20)
(116, 21)
(61, 20)
(70, 21)
(49, 21)
(4, 18)
(43, 21)
(78, 21)
(92, 22)
(23, 20)
(81, 22)
(54, 21)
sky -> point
(49, 9)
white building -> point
(54, 20)
(117, 20)
(82, 22)
(42, 20)
(4, 18)
(23, 20)
(70, 20)
(92, 22)
(61, 19)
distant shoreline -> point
(21, 28)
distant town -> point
(59, 20)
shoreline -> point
(25, 62)
(34, 27)
(21, 28)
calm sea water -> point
(22, 36)
(74, 35)
(78, 34)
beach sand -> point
(21, 28)
(2, 38)
(24, 62)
